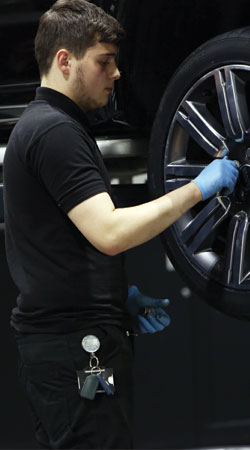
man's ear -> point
(63, 61)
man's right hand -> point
(219, 174)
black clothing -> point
(62, 418)
(52, 164)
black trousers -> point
(63, 419)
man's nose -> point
(115, 74)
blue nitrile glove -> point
(149, 322)
(219, 174)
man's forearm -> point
(136, 225)
(113, 231)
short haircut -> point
(75, 25)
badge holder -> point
(95, 379)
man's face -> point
(93, 76)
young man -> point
(65, 238)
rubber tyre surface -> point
(229, 49)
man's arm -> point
(114, 230)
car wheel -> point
(205, 108)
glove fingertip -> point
(165, 302)
(133, 289)
(166, 321)
(224, 153)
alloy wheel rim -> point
(213, 116)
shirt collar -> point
(62, 102)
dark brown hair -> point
(75, 25)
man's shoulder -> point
(43, 113)
(40, 118)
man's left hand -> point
(147, 311)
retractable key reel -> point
(91, 344)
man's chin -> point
(100, 104)
(93, 105)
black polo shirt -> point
(52, 164)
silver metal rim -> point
(213, 115)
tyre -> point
(204, 109)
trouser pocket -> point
(45, 393)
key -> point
(90, 387)
(105, 385)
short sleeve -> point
(69, 164)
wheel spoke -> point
(182, 169)
(179, 173)
(236, 249)
(195, 118)
(198, 230)
(232, 101)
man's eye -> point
(103, 63)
